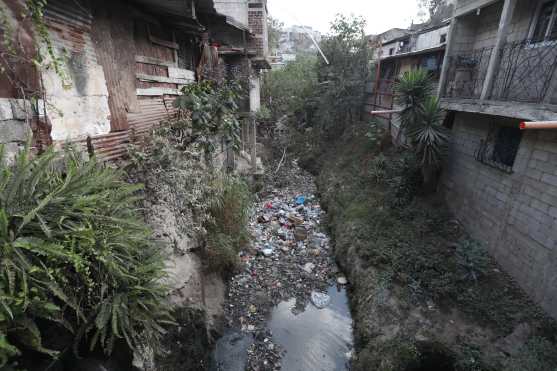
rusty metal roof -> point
(181, 13)
(180, 8)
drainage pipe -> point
(538, 125)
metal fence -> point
(525, 72)
(466, 73)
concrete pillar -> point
(494, 61)
(254, 93)
(448, 52)
(253, 144)
(254, 105)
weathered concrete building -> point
(501, 182)
(121, 65)
(398, 51)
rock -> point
(320, 300)
(309, 267)
(342, 280)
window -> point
(543, 27)
(443, 38)
(500, 148)
(391, 51)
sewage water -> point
(314, 339)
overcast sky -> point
(380, 14)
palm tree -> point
(421, 119)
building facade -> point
(122, 63)
(399, 51)
(501, 182)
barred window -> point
(544, 27)
(500, 147)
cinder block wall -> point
(257, 16)
(14, 131)
(515, 215)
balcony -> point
(466, 74)
(526, 73)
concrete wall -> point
(478, 31)
(78, 102)
(514, 214)
(14, 131)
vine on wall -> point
(25, 42)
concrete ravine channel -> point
(287, 308)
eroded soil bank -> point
(287, 307)
(424, 296)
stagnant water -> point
(314, 339)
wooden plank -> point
(181, 73)
(106, 54)
(161, 42)
(157, 92)
(155, 61)
(170, 80)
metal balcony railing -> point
(525, 72)
(466, 73)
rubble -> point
(289, 257)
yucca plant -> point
(421, 121)
(74, 251)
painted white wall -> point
(431, 39)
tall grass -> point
(227, 231)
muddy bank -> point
(424, 296)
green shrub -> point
(213, 112)
(227, 232)
(75, 252)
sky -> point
(381, 15)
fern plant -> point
(75, 252)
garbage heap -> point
(290, 257)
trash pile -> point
(289, 258)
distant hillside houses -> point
(295, 41)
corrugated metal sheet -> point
(114, 146)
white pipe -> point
(386, 112)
